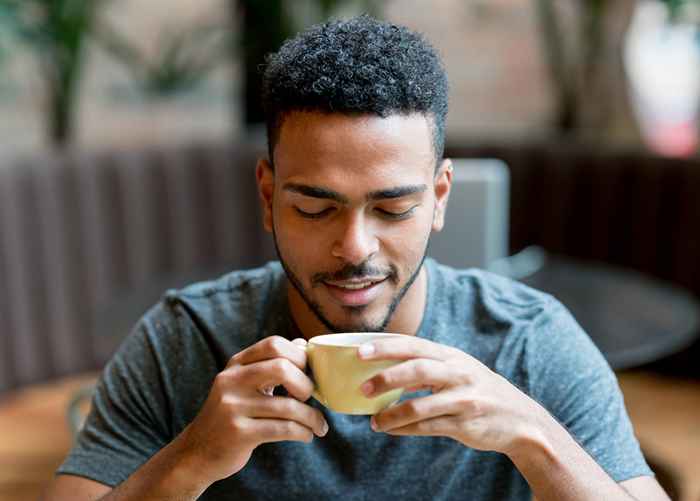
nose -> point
(356, 242)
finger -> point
(269, 348)
(404, 348)
(417, 372)
(416, 410)
(267, 430)
(270, 373)
(289, 409)
(435, 427)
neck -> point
(406, 318)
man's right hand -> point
(241, 413)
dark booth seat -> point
(80, 234)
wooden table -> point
(34, 436)
(665, 412)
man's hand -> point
(469, 402)
(241, 413)
(482, 410)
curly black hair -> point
(360, 65)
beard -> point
(364, 269)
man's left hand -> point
(469, 402)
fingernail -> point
(366, 350)
(373, 424)
(367, 388)
(324, 429)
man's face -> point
(351, 204)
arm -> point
(240, 407)
(482, 410)
(556, 467)
(166, 476)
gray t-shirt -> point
(161, 375)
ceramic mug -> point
(338, 372)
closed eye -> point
(313, 215)
(397, 215)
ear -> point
(443, 184)
(265, 177)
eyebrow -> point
(396, 192)
(318, 192)
(315, 192)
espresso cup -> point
(338, 372)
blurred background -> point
(129, 132)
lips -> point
(355, 292)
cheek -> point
(407, 243)
(296, 243)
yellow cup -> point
(338, 372)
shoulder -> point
(511, 327)
(234, 295)
(491, 297)
(256, 282)
(223, 315)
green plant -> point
(58, 32)
(3, 58)
(687, 11)
(677, 8)
(183, 59)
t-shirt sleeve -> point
(128, 422)
(568, 375)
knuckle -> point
(422, 369)
(289, 428)
(468, 404)
(383, 379)
(221, 379)
(220, 383)
(232, 373)
(238, 425)
(232, 403)
(469, 378)
(286, 407)
(282, 366)
(412, 407)
(305, 391)
(276, 344)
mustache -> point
(363, 270)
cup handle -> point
(315, 393)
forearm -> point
(167, 476)
(558, 468)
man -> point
(209, 396)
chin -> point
(357, 328)
(357, 320)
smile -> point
(355, 292)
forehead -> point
(327, 147)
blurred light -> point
(663, 64)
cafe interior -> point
(130, 132)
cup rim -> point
(357, 338)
